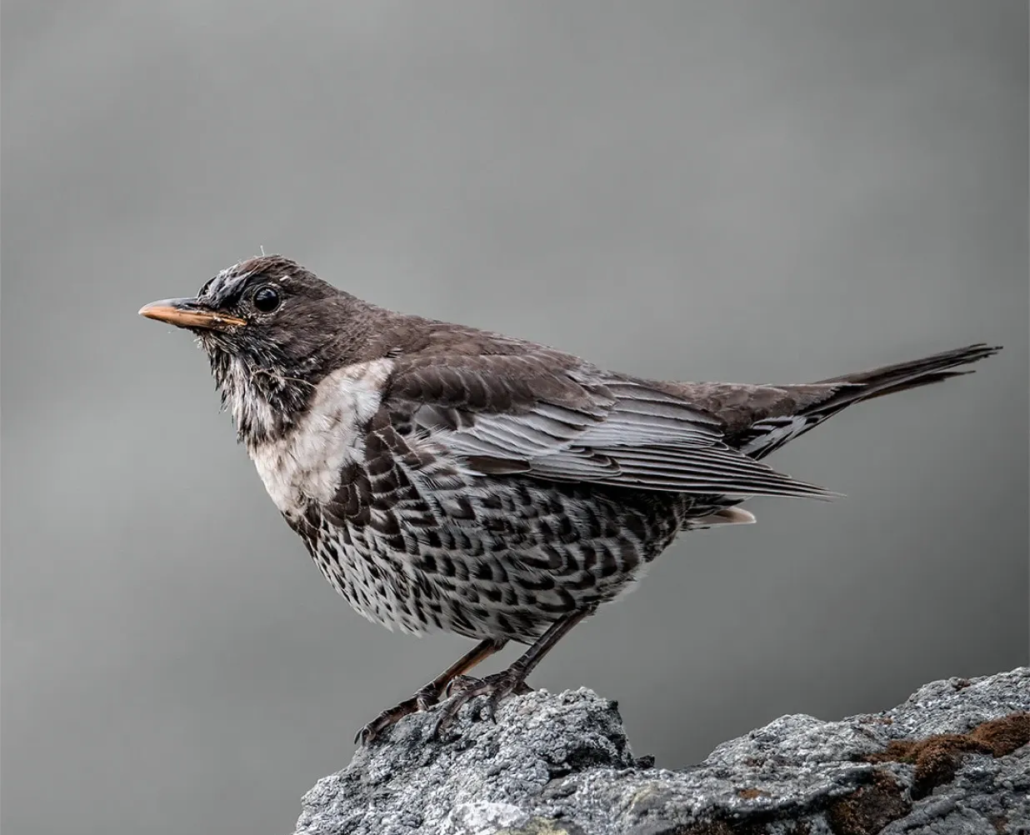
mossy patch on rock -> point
(937, 757)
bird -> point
(445, 477)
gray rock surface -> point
(954, 758)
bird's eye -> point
(266, 299)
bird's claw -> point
(424, 699)
(462, 689)
(459, 691)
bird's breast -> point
(305, 465)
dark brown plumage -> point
(447, 477)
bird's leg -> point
(512, 680)
(431, 693)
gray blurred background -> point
(752, 191)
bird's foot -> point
(460, 684)
(424, 699)
(496, 687)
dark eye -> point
(266, 299)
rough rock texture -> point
(954, 758)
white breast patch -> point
(306, 464)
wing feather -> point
(553, 417)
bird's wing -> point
(550, 416)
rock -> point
(953, 759)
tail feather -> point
(765, 436)
(888, 379)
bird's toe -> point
(463, 689)
(388, 718)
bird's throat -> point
(265, 402)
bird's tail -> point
(888, 379)
(771, 433)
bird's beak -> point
(189, 313)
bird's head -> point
(272, 330)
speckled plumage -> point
(443, 477)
